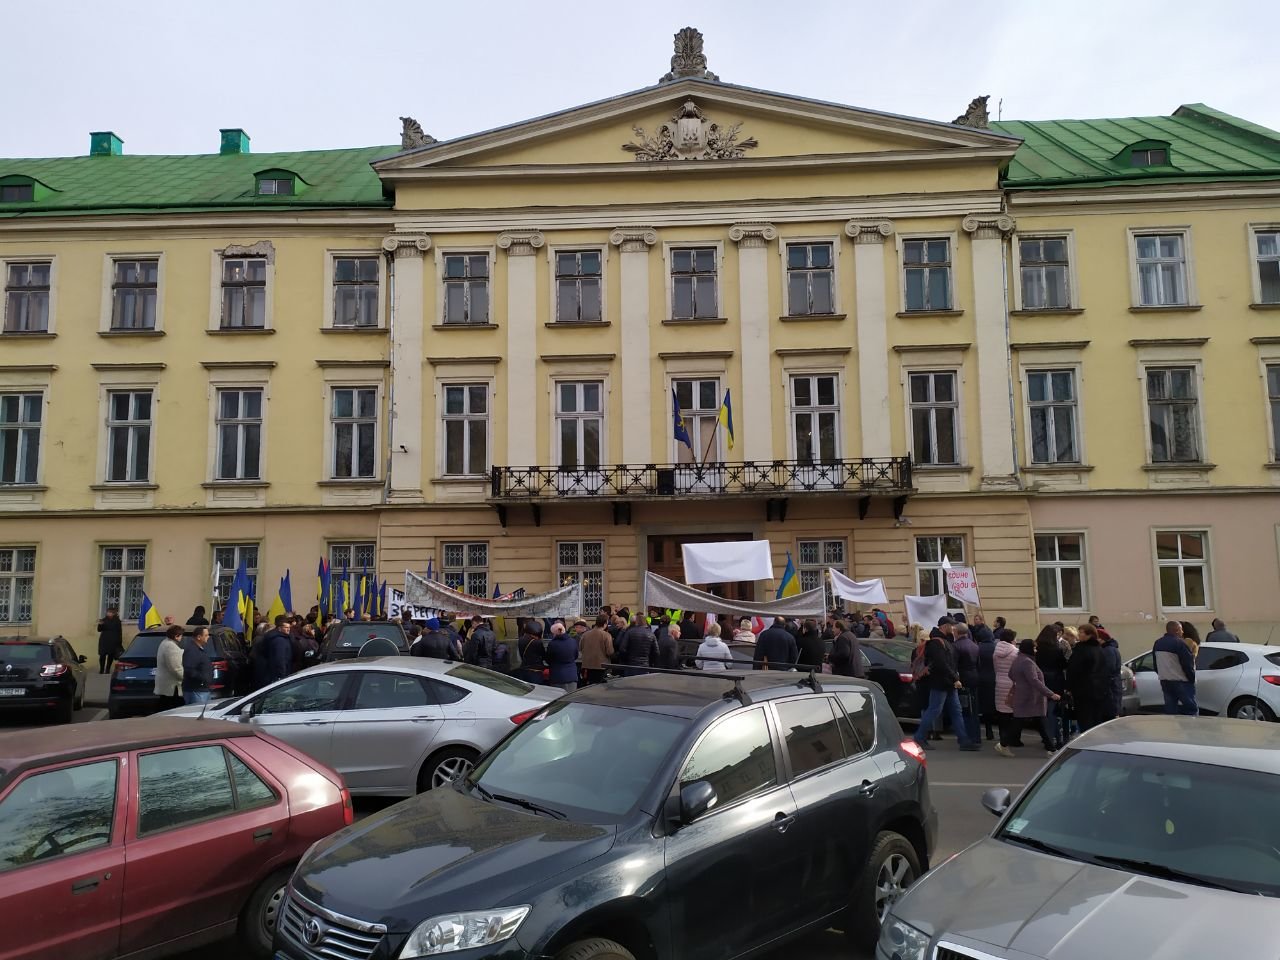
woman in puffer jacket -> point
(1003, 656)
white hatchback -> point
(392, 726)
(1238, 680)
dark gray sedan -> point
(1149, 836)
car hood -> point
(1028, 904)
(212, 711)
(440, 852)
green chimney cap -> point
(104, 143)
(234, 140)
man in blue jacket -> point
(562, 659)
(1177, 671)
(272, 654)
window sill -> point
(464, 326)
(1048, 312)
(1252, 306)
(578, 323)
(1057, 468)
(238, 331)
(1168, 308)
(22, 488)
(353, 329)
(124, 486)
(27, 335)
(802, 317)
(941, 468)
(465, 480)
(1270, 465)
(235, 484)
(1157, 467)
(929, 313)
(357, 482)
(131, 333)
(693, 321)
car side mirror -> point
(997, 800)
(696, 799)
(82, 659)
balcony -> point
(774, 481)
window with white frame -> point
(693, 283)
(582, 561)
(244, 293)
(810, 279)
(355, 291)
(228, 557)
(578, 285)
(122, 571)
(26, 296)
(1268, 259)
(239, 427)
(813, 557)
(354, 420)
(1182, 561)
(1060, 571)
(466, 288)
(699, 401)
(275, 186)
(1173, 415)
(1162, 269)
(579, 423)
(20, 419)
(931, 579)
(466, 429)
(815, 417)
(926, 265)
(129, 436)
(935, 417)
(1051, 399)
(17, 583)
(135, 287)
(466, 567)
(1044, 268)
(354, 559)
(1273, 407)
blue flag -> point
(497, 591)
(239, 602)
(679, 430)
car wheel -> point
(257, 926)
(65, 711)
(892, 867)
(79, 704)
(595, 949)
(114, 713)
(444, 767)
(1250, 708)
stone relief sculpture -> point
(690, 136)
(976, 115)
(688, 60)
(412, 135)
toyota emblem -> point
(312, 932)
(8, 668)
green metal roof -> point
(1204, 144)
(121, 184)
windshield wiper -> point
(476, 786)
(1166, 872)
(1040, 845)
(528, 805)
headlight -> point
(901, 941)
(462, 931)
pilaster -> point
(757, 398)
(522, 345)
(407, 353)
(637, 401)
(873, 335)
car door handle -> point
(868, 788)
(259, 836)
(424, 719)
(783, 821)
(314, 723)
(85, 885)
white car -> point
(1240, 680)
(392, 726)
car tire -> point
(595, 949)
(114, 713)
(65, 712)
(1250, 708)
(257, 926)
(892, 866)
(444, 765)
(79, 702)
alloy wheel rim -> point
(450, 770)
(1250, 711)
(891, 883)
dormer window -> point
(1149, 158)
(275, 186)
(17, 192)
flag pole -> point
(710, 440)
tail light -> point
(51, 670)
(219, 667)
(913, 749)
(123, 665)
(1272, 678)
(525, 716)
(348, 812)
(906, 678)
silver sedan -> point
(392, 726)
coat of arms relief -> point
(690, 136)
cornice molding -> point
(812, 351)
(128, 366)
(28, 367)
(578, 357)
(696, 355)
(237, 364)
(1051, 345)
(355, 364)
(1169, 342)
(929, 347)
(457, 361)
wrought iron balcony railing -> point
(887, 476)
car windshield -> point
(898, 650)
(358, 634)
(589, 762)
(25, 653)
(1191, 822)
(487, 678)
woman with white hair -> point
(714, 648)
(744, 631)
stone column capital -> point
(406, 245)
(869, 231)
(988, 226)
(521, 243)
(634, 239)
(752, 234)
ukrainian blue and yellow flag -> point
(790, 585)
(725, 416)
(679, 430)
(238, 613)
(322, 586)
(148, 616)
(284, 600)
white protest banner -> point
(926, 611)
(962, 583)
(857, 591)
(727, 562)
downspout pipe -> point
(391, 371)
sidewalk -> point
(96, 688)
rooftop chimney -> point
(234, 140)
(105, 144)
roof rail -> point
(737, 693)
(810, 680)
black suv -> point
(669, 815)
(39, 673)
(345, 638)
(133, 678)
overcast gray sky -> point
(305, 75)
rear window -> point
(487, 678)
(358, 634)
(1274, 658)
(25, 653)
(894, 650)
(144, 645)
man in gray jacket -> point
(1176, 669)
(1220, 634)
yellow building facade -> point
(472, 353)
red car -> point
(153, 836)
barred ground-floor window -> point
(17, 583)
(582, 561)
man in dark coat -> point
(1089, 680)
(562, 658)
(110, 639)
(690, 628)
(434, 642)
(480, 644)
(1111, 653)
(197, 668)
(272, 654)
(812, 649)
(776, 648)
(637, 647)
(846, 653)
(943, 684)
(986, 678)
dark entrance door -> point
(666, 560)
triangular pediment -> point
(694, 121)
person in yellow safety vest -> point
(675, 616)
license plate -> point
(151, 672)
(12, 691)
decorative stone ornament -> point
(992, 226)
(634, 239)
(752, 234)
(521, 243)
(688, 60)
(406, 245)
(869, 231)
(412, 135)
(690, 136)
(976, 115)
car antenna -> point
(203, 707)
(811, 680)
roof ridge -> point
(1213, 117)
